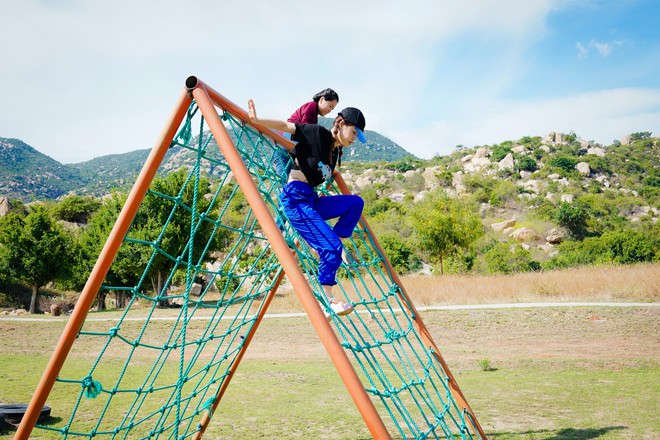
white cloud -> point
(583, 52)
(604, 49)
(89, 76)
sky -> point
(81, 78)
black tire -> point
(15, 412)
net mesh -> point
(196, 245)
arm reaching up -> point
(275, 124)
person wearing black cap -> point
(317, 152)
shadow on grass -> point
(562, 434)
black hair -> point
(334, 129)
(328, 94)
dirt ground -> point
(616, 336)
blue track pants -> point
(308, 213)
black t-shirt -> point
(314, 148)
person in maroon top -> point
(321, 104)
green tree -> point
(125, 269)
(165, 218)
(574, 218)
(565, 163)
(444, 225)
(37, 249)
(640, 135)
(508, 258)
(628, 246)
(401, 256)
(526, 163)
(76, 209)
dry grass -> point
(638, 283)
(632, 283)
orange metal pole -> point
(237, 360)
(101, 269)
(293, 272)
(421, 327)
(237, 111)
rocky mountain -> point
(26, 174)
(533, 190)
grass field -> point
(578, 372)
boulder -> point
(419, 195)
(554, 236)
(4, 206)
(555, 138)
(596, 151)
(507, 162)
(526, 235)
(363, 181)
(431, 177)
(475, 164)
(583, 168)
(481, 153)
(584, 145)
(396, 197)
(196, 289)
(626, 140)
(499, 227)
(532, 185)
(457, 182)
(568, 198)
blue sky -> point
(81, 79)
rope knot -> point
(92, 388)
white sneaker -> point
(339, 308)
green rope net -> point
(161, 376)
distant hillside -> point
(105, 173)
(377, 147)
(27, 174)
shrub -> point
(573, 218)
(499, 152)
(401, 256)
(526, 163)
(628, 246)
(624, 246)
(508, 258)
(565, 163)
(485, 365)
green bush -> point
(401, 256)
(628, 246)
(499, 152)
(624, 246)
(76, 209)
(572, 217)
(526, 163)
(508, 258)
(565, 163)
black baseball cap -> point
(355, 117)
